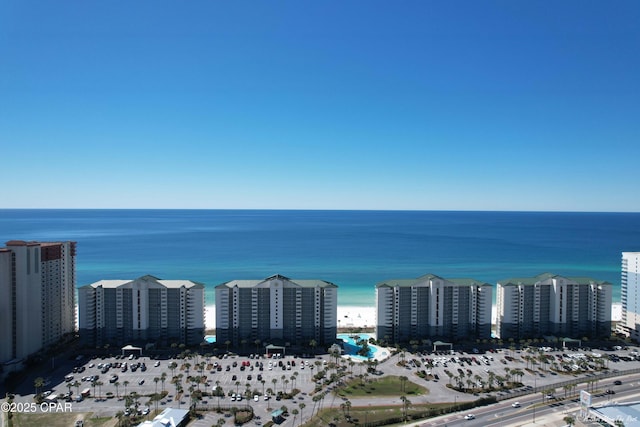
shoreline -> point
(351, 316)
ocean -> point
(353, 249)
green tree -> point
(38, 383)
(403, 381)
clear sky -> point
(472, 105)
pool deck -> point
(379, 354)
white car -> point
(256, 398)
(469, 417)
(516, 404)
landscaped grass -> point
(363, 414)
(385, 386)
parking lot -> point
(255, 380)
(245, 378)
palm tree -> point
(117, 384)
(99, 384)
(163, 377)
(173, 366)
(315, 399)
(77, 385)
(405, 405)
(274, 381)
(566, 388)
(569, 420)
(295, 413)
(38, 383)
(302, 406)
(403, 380)
(156, 380)
(125, 384)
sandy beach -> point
(348, 317)
(362, 317)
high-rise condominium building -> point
(630, 295)
(37, 296)
(551, 305)
(276, 310)
(144, 310)
(432, 307)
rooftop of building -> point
(167, 418)
(429, 277)
(581, 280)
(629, 413)
(304, 283)
(31, 243)
(149, 280)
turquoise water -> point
(353, 249)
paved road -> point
(532, 411)
(438, 392)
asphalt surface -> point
(143, 383)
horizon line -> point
(321, 210)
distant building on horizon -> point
(630, 295)
(549, 304)
(276, 310)
(37, 297)
(434, 308)
(143, 310)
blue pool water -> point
(351, 348)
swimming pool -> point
(351, 348)
(210, 339)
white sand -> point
(359, 317)
(348, 316)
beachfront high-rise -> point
(144, 310)
(630, 295)
(276, 310)
(432, 307)
(552, 305)
(37, 297)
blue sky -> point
(320, 105)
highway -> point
(533, 411)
